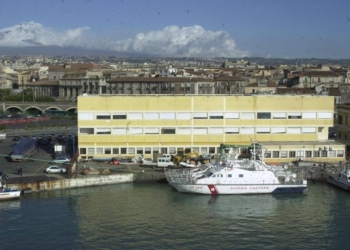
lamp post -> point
(22, 95)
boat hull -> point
(338, 183)
(9, 195)
(238, 189)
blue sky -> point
(266, 28)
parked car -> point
(60, 137)
(44, 141)
(60, 160)
(55, 169)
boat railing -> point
(179, 176)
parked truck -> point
(23, 149)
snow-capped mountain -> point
(27, 34)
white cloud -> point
(186, 41)
(192, 41)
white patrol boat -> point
(342, 181)
(247, 176)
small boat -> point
(342, 180)
(9, 193)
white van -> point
(164, 162)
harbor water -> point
(155, 216)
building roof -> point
(295, 91)
(230, 78)
(333, 91)
(156, 80)
(43, 82)
(268, 84)
(319, 73)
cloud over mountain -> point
(173, 41)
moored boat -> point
(9, 193)
(248, 176)
(342, 180)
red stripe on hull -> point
(213, 189)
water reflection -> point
(10, 205)
(154, 216)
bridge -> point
(37, 107)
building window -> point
(324, 153)
(216, 116)
(275, 154)
(316, 153)
(116, 151)
(123, 151)
(164, 150)
(263, 130)
(268, 154)
(99, 151)
(200, 115)
(103, 117)
(195, 150)
(107, 151)
(211, 150)
(308, 154)
(139, 151)
(264, 115)
(284, 154)
(340, 119)
(83, 151)
(86, 131)
(291, 154)
(121, 116)
(168, 131)
(331, 153)
(103, 131)
(172, 150)
(295, 115)
(155, 150)
(148, 151)
(131, 151)
(149, 131)
(340, 153)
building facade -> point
(129, 124)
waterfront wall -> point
(75, 183)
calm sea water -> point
(154, 216)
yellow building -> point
(145, 124)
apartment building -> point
(290, 127)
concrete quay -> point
(38, 183)
(45, 182)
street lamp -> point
(22, 95)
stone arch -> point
(53, 108)
(34, 110)
(12, 109)
(72, 111)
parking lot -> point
(35, 165)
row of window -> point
(304, 154)
(198, 131)
(206, 150)
(202, 115)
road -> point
(32, 167)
